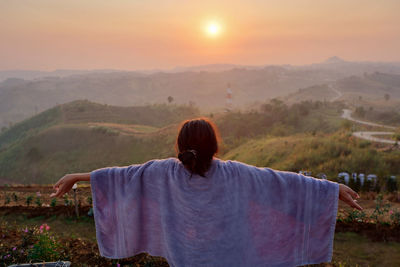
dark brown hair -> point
(197, 143)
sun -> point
(213, 29)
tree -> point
(170, 99)
(387, 97)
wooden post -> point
(75, 201)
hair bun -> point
(188, 157)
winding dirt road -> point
(369, 135)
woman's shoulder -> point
(234, 164)
(245, 168)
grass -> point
(82, 136)
(62, 149)
(326, 153)
(69, 137)
(352, 249)
(63, 226)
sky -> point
(150, 34)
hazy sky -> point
(144, 34)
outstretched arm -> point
(347, 194)
(65, 184)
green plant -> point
(89, 200)
(395, 217)
(46, 247)
(53, 202)
(29, 200)
(66, 200)
(380, 209)
(7, 199)
(15, 197)
(38, 201)
(355, 215)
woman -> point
(202, 211)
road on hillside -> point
(369, 135)
(347, 115)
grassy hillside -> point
(84, 112)
(82, 136)
(322, 153)
(275, 118)
(62, 149)
(314, 93)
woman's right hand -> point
(346, 194)
(64, 185)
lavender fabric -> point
(239, 215)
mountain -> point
(33, 74)
(334, 60)
(20, 99)
(204, 86)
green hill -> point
(322, 153)
(82, 136)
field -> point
(357, 235)
(82, 136)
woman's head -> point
(196, 144)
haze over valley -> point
(22, 96)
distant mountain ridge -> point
(204, 86)
(372, 88)
(334, 60)
(21, 99)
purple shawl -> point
(238, 215)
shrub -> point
(53, 202)
(38, 201)
(45, 247)
(29, 200)
(395, 216)
(7, 199)
(15, 197)
(89, 200)
(36, 245)
(66, 200)
(356, 215)
(380, 209)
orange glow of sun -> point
(213, 29)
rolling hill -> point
(81, 136)
(322, 153)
